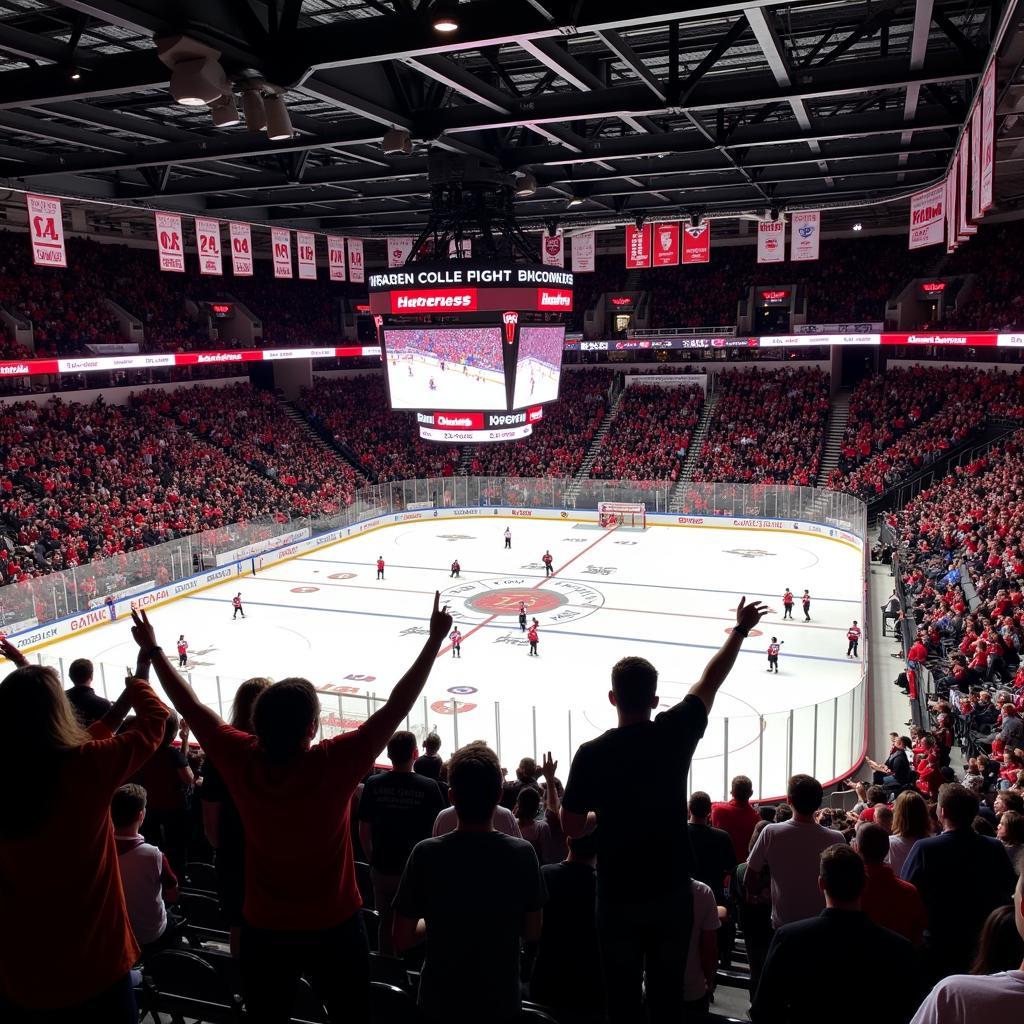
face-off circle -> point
(555, 601)
(506, 602)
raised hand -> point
(11, 653)
(440, 619)
(749, 615)
(548, 766)
(142, 632)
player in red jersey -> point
(456, 638)
(380, 567)
(182, 651)
(236, 603)
(456, 569)
(773, 654)
(547, 560)
(853, 635)
(787, 604)
(533, 636)
(806, 601)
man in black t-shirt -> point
(89, 706)
(714, 858)
(429, 763)
(474, 895)
(634, 778)
(396, 810)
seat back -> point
(391, 1005)
(183, 984)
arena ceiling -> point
(624, 108)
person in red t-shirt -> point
(380, 567)
(886, 899)
(737, 817)
(853, 638)
(533, 636)
(787, 604)
(294, 798)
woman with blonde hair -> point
(911, 821)
(66, 947)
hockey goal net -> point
(624, 515)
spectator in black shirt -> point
(634, 778)
(473, 894)
(89, 706)
(396, 810)
(895, 769)
(714, 859)
(526, 775)
(568, 959)
(430, 762)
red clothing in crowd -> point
(893, 903)
(739, 820)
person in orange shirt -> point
(66, 946)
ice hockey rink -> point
(667, 594)
(455, 387)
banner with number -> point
(927, 216)
(988, 135)
(399, 250)
(305, 247)
(976, 162)
(697, 242)
(666, 245)
(336, 257)
(583, 252)
(771, 241)
(552, 250)
(208, 246)
(804, 234)
(356, 267)
(46, 230)
(964, 227)
(638, 247)
(241, 249)
(169, 243)
(281, 241)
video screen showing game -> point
(538, 366)
(445, 367)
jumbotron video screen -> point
(538, 365)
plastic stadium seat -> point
(371, 922)
(200, 877)
(365, 885)
(391, 1005)
(203, 915)
(531, 1013)
(307, 1006)
(388, 969)
(181, 984)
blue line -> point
(510, 627)
(580, 579)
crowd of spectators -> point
(650, 434)
(767, 426)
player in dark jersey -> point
(773, 655)
(456, 569)
(522, 616)
(547, 560)
(806, 602)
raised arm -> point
(117, 711)
(180, 693)
(719, 667)
(382, 724)
(12, 654)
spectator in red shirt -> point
(737, 816)
(886, 899)
(294, 798)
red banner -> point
(336, 257)
(356, 266)
(46, 231)
(169, 242)
(638, 247)
(305, 248)
(241, 249)
(666, 245)
(697, 242)
(281, 240)
(208, 246)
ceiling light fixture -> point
(196, 75)
(444, 17)
(576, 201)
(279, 124)
(526, 184)
(858, 226)
(253, 110)
(74, 74)
(396, 140)
(224, 112)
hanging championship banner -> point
(638, 247)
(951, 242)
(552, 250)
(666, 245)
(988, 135)
(336, 257)
(168, 239)
(927, 213)
(804, 233)
(697, 242)
(976, 162)
(964, 228)
(241, 249)
(399, 250)
(583, 252)
(208, 246)
(356, 267)
(305, 250)
(46, 230)
(771, 241)
(281, 241)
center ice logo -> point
(554, 602)
(750, 553)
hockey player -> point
(853, 636)
(806, 602)
(522, 616)
(433, 386)
(236, 603)
(508, 538)
(456, 569)
(380, 567)
(456, 638)
(182, 651)
(773, 655)
(409, 368)
(787, 604)
(533, 637)
(547, 560)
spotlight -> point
(252, 108)
(199, 81)
(397, 140)
(773, 213)
(444, 17)
(74, 74)
(858, 226)
(576, 201)
(279, 124)
(526, 184)
(695, 220)
(224, 112)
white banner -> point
(356, 267)
(399, 250)
(552, 250)
(976, 162)
(46, 230)
(305, 247)
(583, 252)
(804, 233)
(281, 241)
(988, 135)
(927, 211)
(208, 246)
(168, 238)
(336, 257)
(951, 241)
(241, 249)
(964, 228)
(771, 241)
